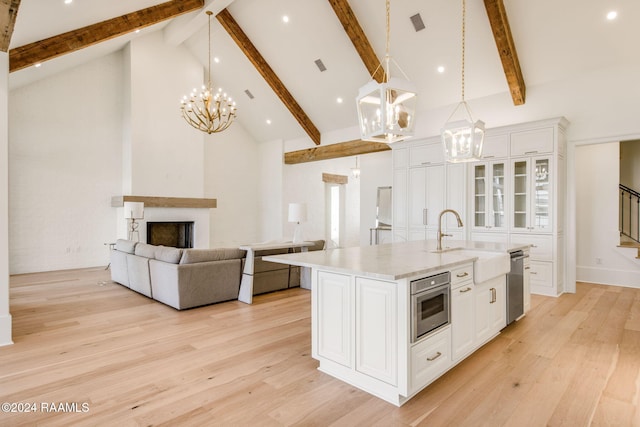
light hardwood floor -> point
(79, 338)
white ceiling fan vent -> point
(417, 22)
(249, 94)
(320, 65)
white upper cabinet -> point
(400, 158)
(532, 195)
(428, 154)
(489, 201)
(532, 142)
(495, 147)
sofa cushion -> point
(168, 254)
(192, 256)
(126, 246)
(146, 250)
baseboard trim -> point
(607, 276)
(5, 330)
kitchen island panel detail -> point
(377, 329)
(333, 306)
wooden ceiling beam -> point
(52, 47)
(334, 151)
(8, 14)
(506, 48)
(247, 47)
(359, 39)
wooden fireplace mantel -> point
(165, 202)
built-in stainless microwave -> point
(430, 304)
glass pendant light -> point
(462, 138)
(386, 110)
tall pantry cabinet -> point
(514, 195)
(424, 185)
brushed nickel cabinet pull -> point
(424, 216)
(465, 274)
(531, 152)
(462, 291)
(527, 268)
(493, 295)
(431, 359)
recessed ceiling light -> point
(612, 15)
(216, 60)
(285, 19)
(441, 69)
(339, 100)
(38, 64)
(68, 1)
(138, 30)
(268, 121)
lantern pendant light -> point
(462, 139)
(386, 109)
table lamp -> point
(133, 211)
(297, 214)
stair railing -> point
(629, 213)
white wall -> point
(232, 176)
(598, 258)
(166, 153)
(629, 161)
(303, 183)
(598, 104)
(64, 167)
(5, 317)
(270, 190)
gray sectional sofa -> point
(187, 278)
(180, 278)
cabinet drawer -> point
(461, 275)
(541, 245)
(430, 358)
(541, 274)
(532, 142)
(430, 154)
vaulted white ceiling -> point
(555, 41)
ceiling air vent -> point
(249, 94)
(320, 65)
(417, 22)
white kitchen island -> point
(361, 313)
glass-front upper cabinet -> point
(489, 198)
(532, 195)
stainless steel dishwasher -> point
(515, 287)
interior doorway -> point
(335, 214)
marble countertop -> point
(392, 261)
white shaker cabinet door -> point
(462, 321)
(334, 313)
(377, 329)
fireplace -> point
(178, 234)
